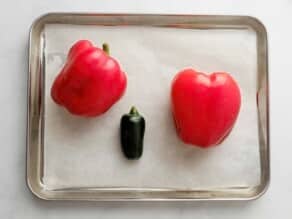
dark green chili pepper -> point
(132, 134)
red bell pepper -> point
(205, 107)
(90, 82)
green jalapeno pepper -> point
(132, 134)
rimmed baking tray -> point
(70, 158)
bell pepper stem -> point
(105, 48)
(134, 111)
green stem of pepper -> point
(134, 111)
(105, 48)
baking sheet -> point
(82, 152)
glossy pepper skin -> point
(132, 134)
(205, 107)
(90, 82)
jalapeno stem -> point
(134, 111)
(105, 48)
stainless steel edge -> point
(32, 164)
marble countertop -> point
(17, 201)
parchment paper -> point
(87, 152)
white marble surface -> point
(16, 201)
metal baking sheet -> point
(71, 158)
